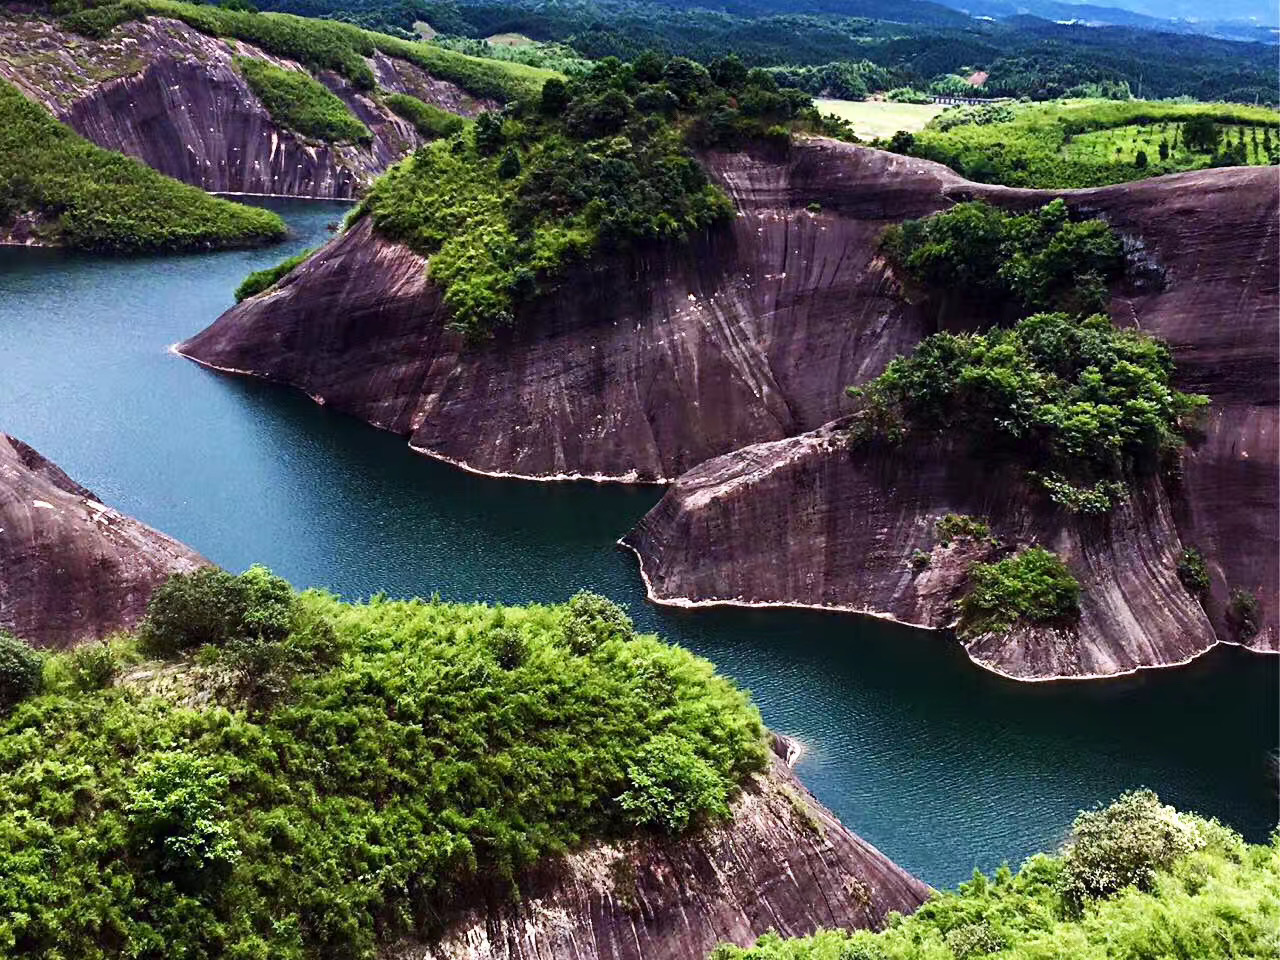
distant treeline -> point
(1025, 56)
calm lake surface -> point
(942, 766)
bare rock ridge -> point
(169, 95)
(651, 363)
(782, 863)
(72, 568)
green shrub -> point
(592, 620)
(670, 787)
(1038, 261)
(212, 606)
(21, 670)
(261, 280)
(1124, 845)
(92, 667)
(92, 199)
(175, 811)
(299, 102)
(407, 772)
(957, 526)
(1079, 398)
(1193, 573)
(1033, 588)
(1244, 614)
(429, 120)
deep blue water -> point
(941, 765)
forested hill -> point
(918, 41)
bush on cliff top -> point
(410, 757)
(1078, 399)
(299, 102)
(1037, 261)
(1137, 880)
(92, 199)
(598, 162)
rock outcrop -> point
(782, 863)
(169, 95)
(651, 363)
(637, 369)
(71, 568)
(809, 521)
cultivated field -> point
(880, 118)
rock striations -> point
(637, 369)
(842, 525)
(739, 345)
(72, 568)
(169, 95)
(783, 863)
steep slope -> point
(70, 567)
(165, 93)
(784, 862)
(841, 525)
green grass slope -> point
(303, 778)
(318, 44)
(88, 198)
(1136, 881)
(299, 102)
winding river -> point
(942, 766)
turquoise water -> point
(941, 765)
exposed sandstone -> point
(783, 862)
(72, 568)
(169, 95)
(808, 521)
(635, 369)
(653, 362)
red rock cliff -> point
(71, 568)
(169, 95)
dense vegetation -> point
(1089, 143)
(1136, 880)
(299, 102)
(918, 42)
(317, 44)
(308, 778)
(260, 280)
(92, 199)
(427, 118)
(1032, 588)
(1081, 404)
(598, 162)
(1041, 260)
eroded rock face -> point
(636, 370)
(783, 863)
(71, 568)
(809, 521)
(161, 91)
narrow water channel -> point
(941, 765)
